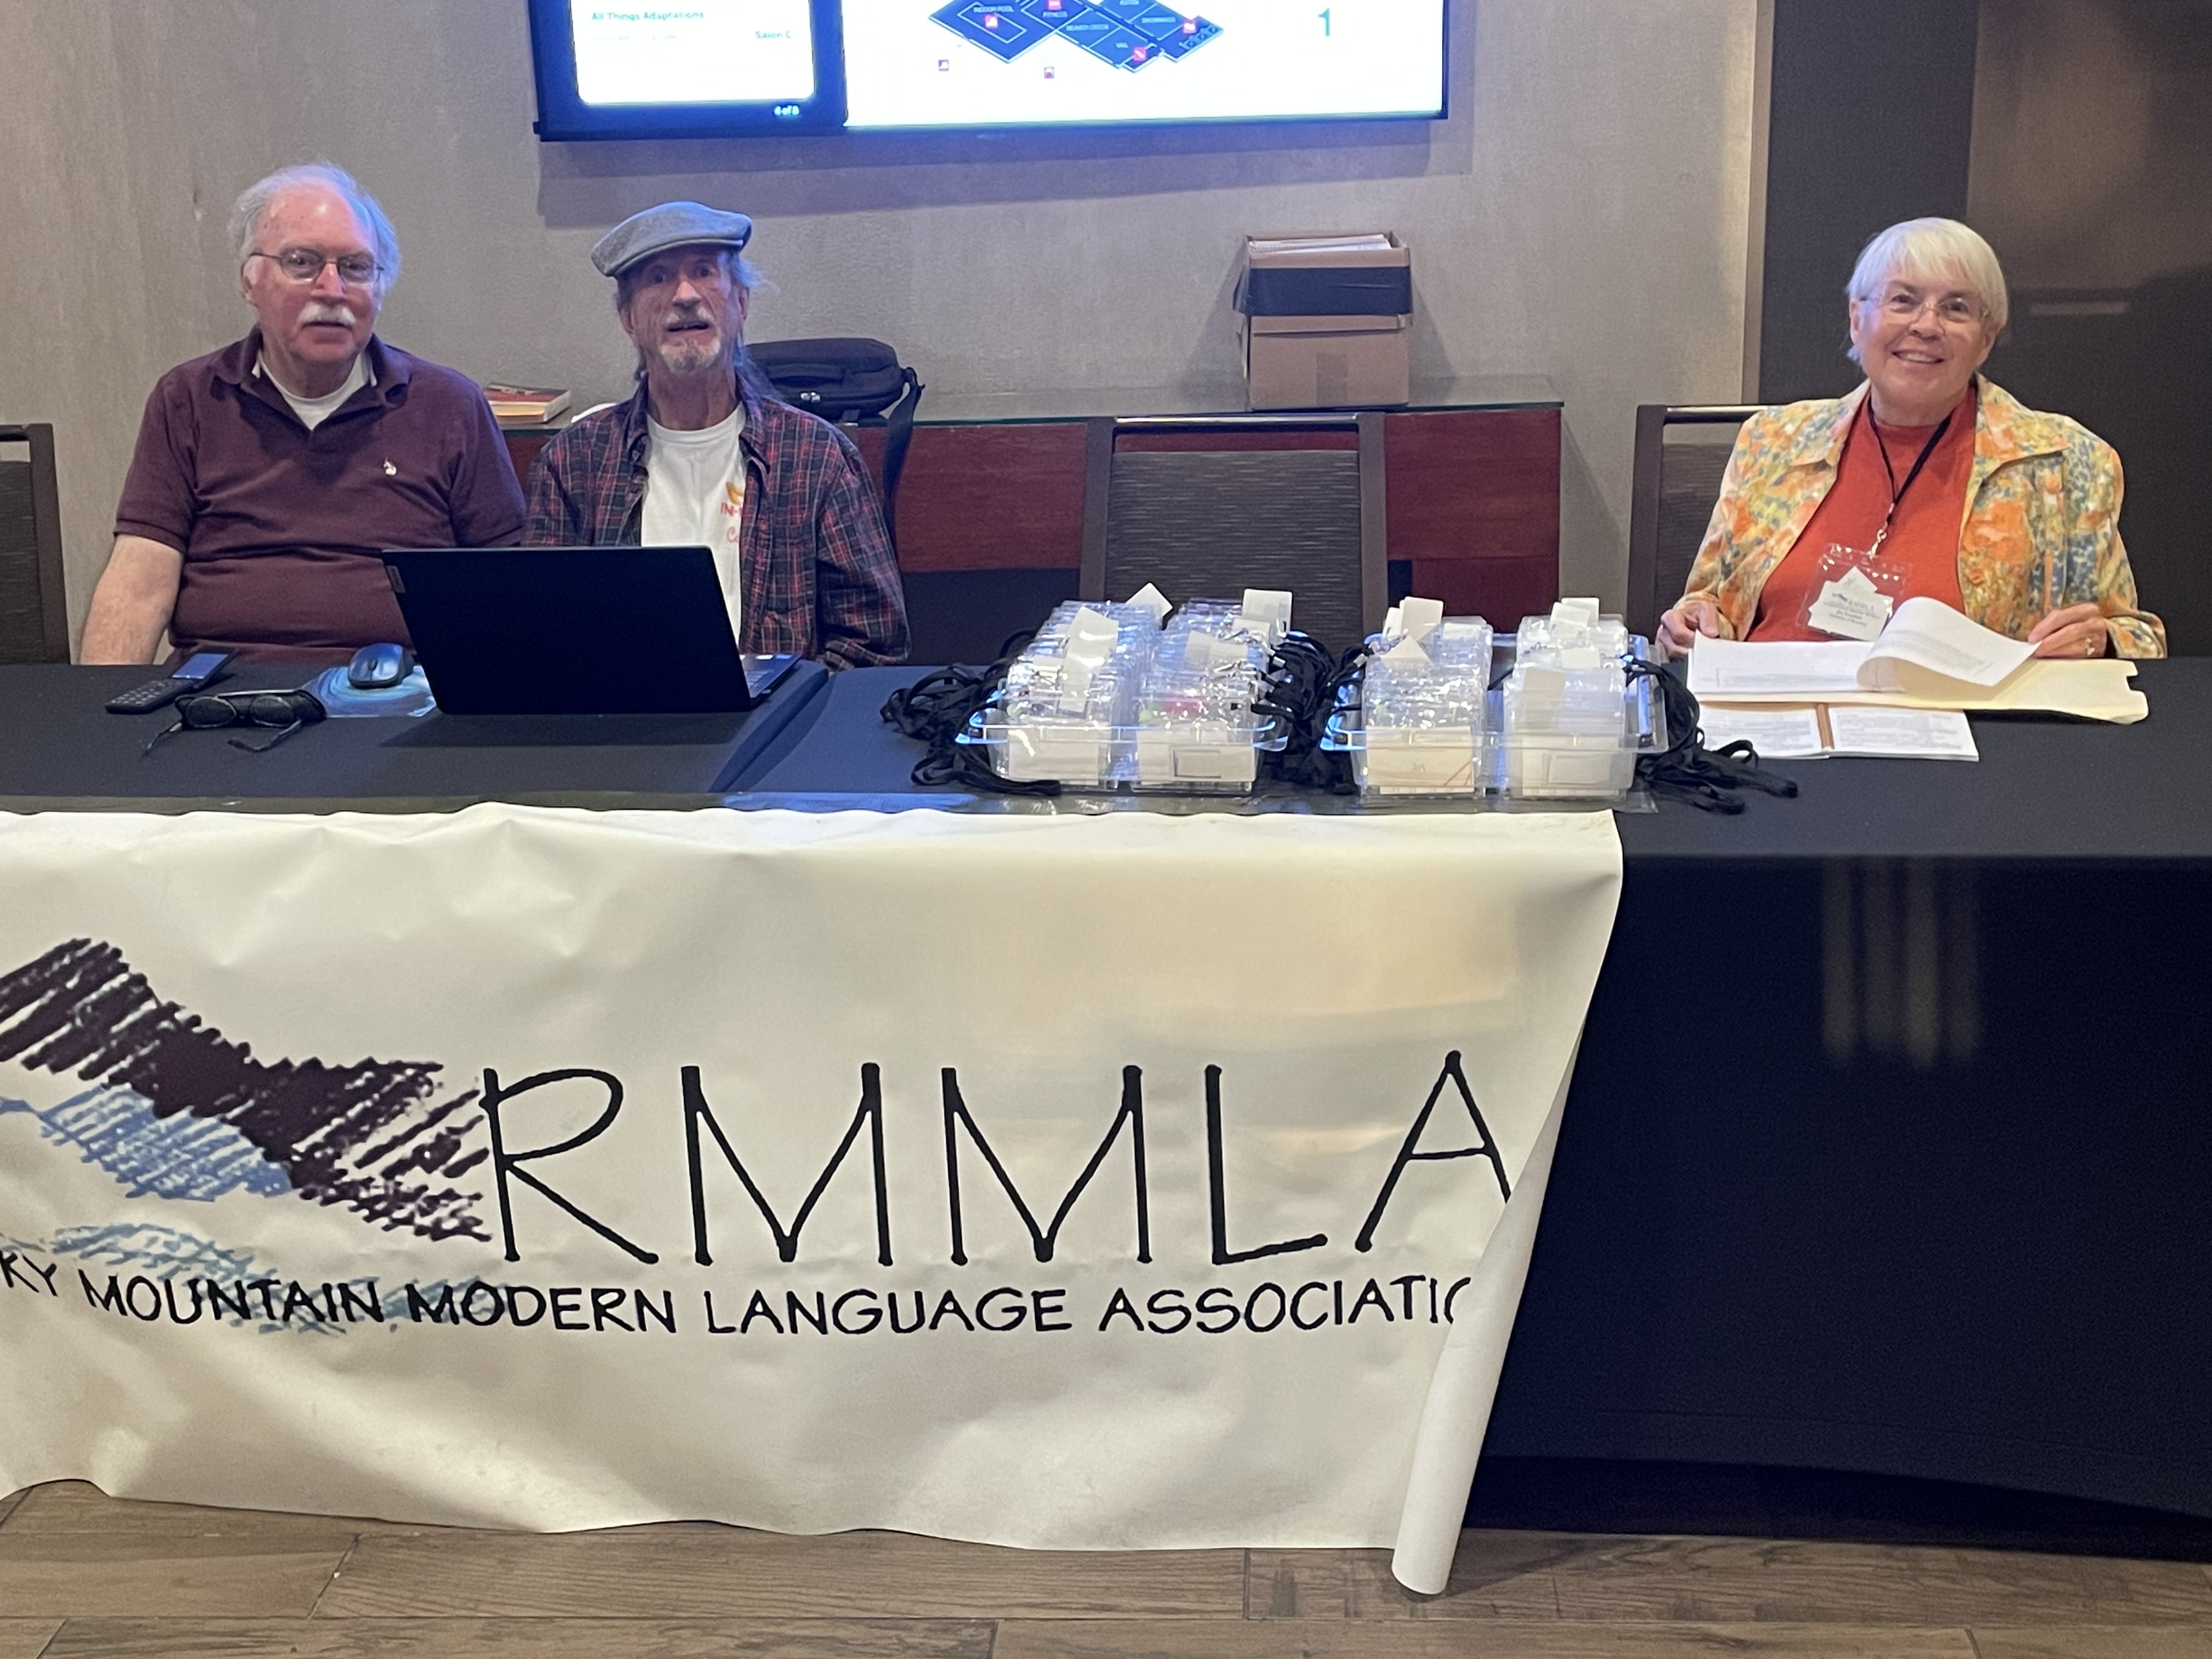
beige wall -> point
(1581, 215)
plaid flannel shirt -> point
(820, 579)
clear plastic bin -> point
(1566, 731)
(1424, 711)
(1167, 708)
(1559, 726)
(1069, 692)
(1407, 761)
(1196, 729)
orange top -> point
(1923, 534)
(2040, 532)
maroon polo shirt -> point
(280, 528)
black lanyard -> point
(1897, 494)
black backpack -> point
(848, 379)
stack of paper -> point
(1369, 242)
(1928, 656)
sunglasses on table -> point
(205, 711)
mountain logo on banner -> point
(177, 1112)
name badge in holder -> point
(1859, 589)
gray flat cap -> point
(672, 224)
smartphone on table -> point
(195, 671)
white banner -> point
(1083, 1182)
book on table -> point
(1929, 656)
(524, 405)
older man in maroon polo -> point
(268, 475)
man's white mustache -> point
(323, 312)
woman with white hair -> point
(1928, 480)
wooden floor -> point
(83, 1575)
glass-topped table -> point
(1199, 399)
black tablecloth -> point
(58, 748)
(2045, 788)
(1894, 1165)
(1885, 1145)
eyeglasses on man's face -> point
(304, 264)
(1902, 304)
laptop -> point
(575, 630)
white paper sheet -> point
(1780, 733)
(1372, 242)
(1775, 670)
(1929, 634)
(1916, 733)
(1926, 638)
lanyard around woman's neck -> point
(1897, 491)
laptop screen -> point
(570, 630)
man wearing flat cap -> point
(705, 453)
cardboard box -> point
(1324, 321)
(1320, 363)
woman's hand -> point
(1682, 627)
(2079, 630)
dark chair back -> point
(1205, 507)
(1681, 454)
(33, 619)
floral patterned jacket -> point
(2041, 529)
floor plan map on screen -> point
(1007, 62)
(1126, 33)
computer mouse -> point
(378, 667)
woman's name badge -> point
(1855, 602)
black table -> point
(58, 749)
(2044, 789)
(1887, 1144)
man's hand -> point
(1688, 622)
(131, 606)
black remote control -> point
(190, 676)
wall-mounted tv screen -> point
(634, 69)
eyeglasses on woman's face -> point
(1901, 303)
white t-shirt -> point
(313, 411)
(695, 495)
